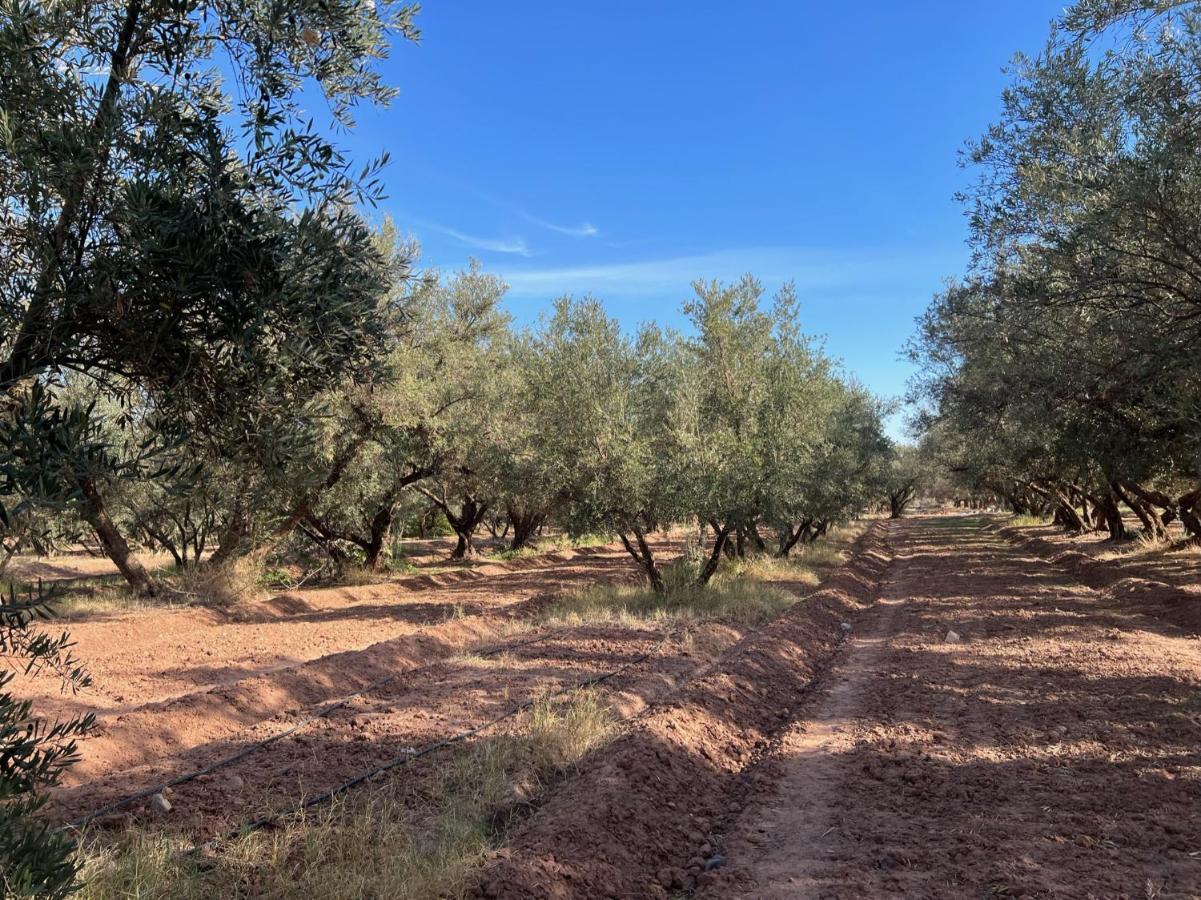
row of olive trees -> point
(1063, 372)
(740, 424)
(182, 273)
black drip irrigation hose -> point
(405, 759)
(322, 713)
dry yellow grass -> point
(1145, 546)
(1028, 521)
(379, 847)
(748, 591)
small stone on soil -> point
(160, 804)
(952, 637)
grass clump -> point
(1029, 521)
(553, 543)
(742, 600)
(378, 847)
(229, 584)
(747, 591)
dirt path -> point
(1054, 751)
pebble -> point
(846, 626)
(952, 637)
(714, 862)
(160, 804)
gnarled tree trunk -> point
(789, 536)
(95, 514)
(525, 525)
(644, 556)
(721, 538)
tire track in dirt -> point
(1054, 752)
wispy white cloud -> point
(811, 270)
(881, 277)
(584, 229)
(514, 245)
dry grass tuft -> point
(553, 543)
(749, 591)
(104, 595)
(1145, 546)
(379, 847)
(735, 599)
(239, 581)
(1028, 521)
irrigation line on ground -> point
(403, 760)
(322, 713)
(254, 748)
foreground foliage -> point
(36, 858)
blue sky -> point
(626, 148)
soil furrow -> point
(1050, 751)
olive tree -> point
(603, 401)
(174, 231)
(1070, 347)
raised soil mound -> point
(636, 822)
(1119, 580)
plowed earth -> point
(851, 747)
(178, 689)
(1054, 751)
(1050, 748)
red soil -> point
(167, 680)
(281, 661)
(637, 822)
(1166, 583)
(1052, 751)
(425, 705)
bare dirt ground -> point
(1164, 579)
(429, 704)
(169, 680)
(845, 749)
(180, 690)
(638, 822)
(1053, 751)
